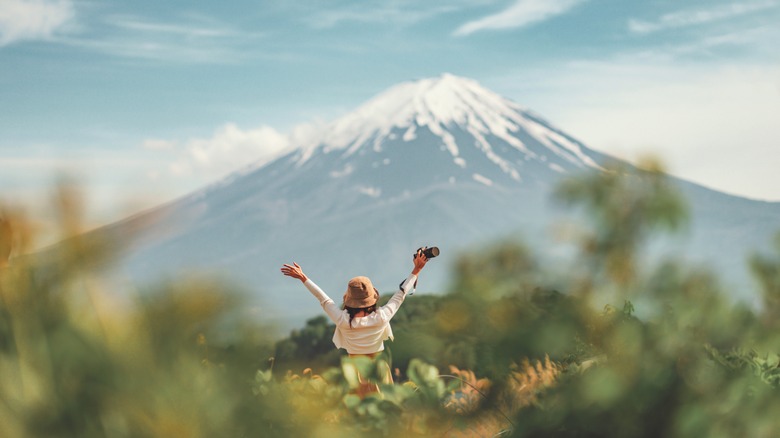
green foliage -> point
(78, 361)
(625, 206)
(657, 376)
(766, 368)
(182, 360)
(311, 346)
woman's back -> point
(365, 331)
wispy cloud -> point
(32, 19)
(756, 41)
(519, 14)
(159, 50)
(190, 40)
(687, 18)
(192, 28)
(198, 30)
(399, 13)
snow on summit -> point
(434, 103)
(447, 105)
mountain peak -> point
(462, 114)
(435, 103)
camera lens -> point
(429, 252)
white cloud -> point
(306, 135)
(519, 14)
(700, 16)
(32, 19)
(230, 148)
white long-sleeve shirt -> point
(367, 333)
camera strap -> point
(414, 287)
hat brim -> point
(359, 304)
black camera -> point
(427, 252)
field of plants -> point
(610, 345)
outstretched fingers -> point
(293, 271)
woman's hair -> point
(355, 310)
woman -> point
(361, 327)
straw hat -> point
(360, 293)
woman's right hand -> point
(294, 271)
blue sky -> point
(143, 101)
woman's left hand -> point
(294, 271)
(419, 261)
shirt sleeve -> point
(409, 283)
(388, 310)
(330, 307)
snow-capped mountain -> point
(440, 161)
(439, 105)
